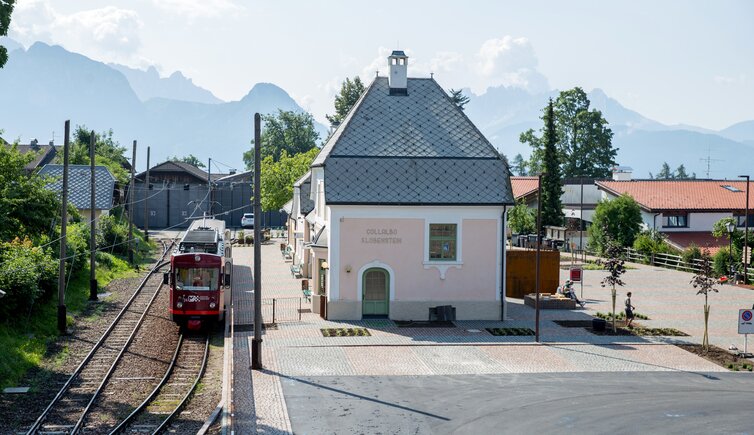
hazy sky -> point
(688, 62)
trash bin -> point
(599, 325)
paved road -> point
(615, 403)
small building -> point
(79, 191)
(409, 208)
(43, 154)
(178, 193)
(685, 210)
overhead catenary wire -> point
(104, 248)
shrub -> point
(691, 253)
(721, 262)
(112, 233)
(77, 246)
(26, 273)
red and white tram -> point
(200, 275)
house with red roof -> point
(685, 210)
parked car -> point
(247, 221)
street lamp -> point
(731, 227)
(746, 231)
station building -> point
(404, 208)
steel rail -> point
(118, 358)
(190, 391)
(38, 422)
(154, 392)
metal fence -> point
(284, 309)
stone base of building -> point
(417, 310)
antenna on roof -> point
(377, 73)
(431, 75)
(709, 159)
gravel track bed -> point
(143, 365)
(63, 356)
(207, 394)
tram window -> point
(197, 279)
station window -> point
(443, 242)
(741, 220)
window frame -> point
(441, 238)
(666, 220)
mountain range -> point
(43, 85)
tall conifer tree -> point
(551, 188)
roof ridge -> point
(335, 136)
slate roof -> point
(78, 185)
(702, 195)
(304, 184)
(240, 177)
(418, 149)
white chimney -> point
(398, 79)
(622, 173)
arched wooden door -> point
(375, 297)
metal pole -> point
(131, 209)
(146, 201)
(92, 225)
(746, 231)
(581, 222)
(256, 342)
(538, 242)
(209, 186)
(62, 327)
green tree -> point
(27, 208)
(584, 146)
(190, 159)
(519, 165)
(6, 9)
(704, 282)
(522, 219)
(349, 94)
(107, 152)
(614, 265)
(458, 98)
(551, 188)
(618, 219)
(277, 177)
(285, 131)
(665, 173)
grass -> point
(510, 331)
(24, 341)
(345, 332)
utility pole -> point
(539, 248)
(746, 231)
(581, 222)
(62, 326)
(209, 186)
(146, 201)
(92, 224)
(131, 209)
(256, 342)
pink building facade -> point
(408, 213)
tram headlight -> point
(179, 304)
(212, 305)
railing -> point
(284, 309)
(671, 261)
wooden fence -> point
(520, 272)
(670, 261)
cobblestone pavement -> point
(297, 348)
(669, 300)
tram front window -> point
(197, 279)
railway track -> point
(66, 412)
(171, 394)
